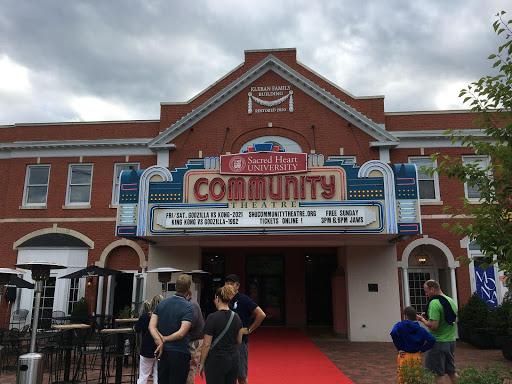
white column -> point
(99, 295)
(454, 285)
(405, 287)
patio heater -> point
(5, 277)
(164, 276)
(197, 276)
(30, 365)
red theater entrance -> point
(293, 286)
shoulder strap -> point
(223, 331)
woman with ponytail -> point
(148, 364)
(222, 335)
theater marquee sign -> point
(268, 191)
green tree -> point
(489, 223)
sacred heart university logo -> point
(237, 164)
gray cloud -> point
(119, 60)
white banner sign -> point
(339, 216)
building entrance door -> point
(319, 271)
(266, 286)
(122, 292)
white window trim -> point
(472, 159)
(436, 179)
(114, 182)
(68, 188)
(25, 203)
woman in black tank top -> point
(222, 335)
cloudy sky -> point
(117, 60)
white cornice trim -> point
(438, 134)
(79, 123)
(55, 144)
(271, 63)
(443, 112)
(432, 138)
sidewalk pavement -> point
(362, 362)
(375, 363)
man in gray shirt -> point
(196, 335)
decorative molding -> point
(145, 178)
(122, 243)
(271, 63)
(452, 263)
(389, 190)
(270, 103)
(54, 229)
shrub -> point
(501, 318)
(80, 309)
(412, 372)
(494, 374)
(126, 313)
(475, 312)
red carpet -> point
(286, 355)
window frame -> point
(115, 182)
(485, 163)
(69, 185)
(435, 178)
(27, 186)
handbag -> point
(218, 338)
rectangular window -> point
(118, 168)
(416, 280)
(473, 191)
(36, 185)
(73, 293)
(79, 184)
(46, 303)
(428, 185)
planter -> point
(481, 338)
(506, 348)
(463, 332)
(499, 338)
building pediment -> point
(271, 63)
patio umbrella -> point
(18, 282)
(90, 271)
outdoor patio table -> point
(67, 358)
(126, 322)
(117, 333)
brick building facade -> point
(60, 190)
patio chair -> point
(58, 317)
(18, 318)
(15, 346)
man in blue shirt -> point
(248, 311)
(169, 326)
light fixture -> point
(422, 257)
(89, 281)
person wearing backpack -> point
(220, 357)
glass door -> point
(418, 277)
(265, 285)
